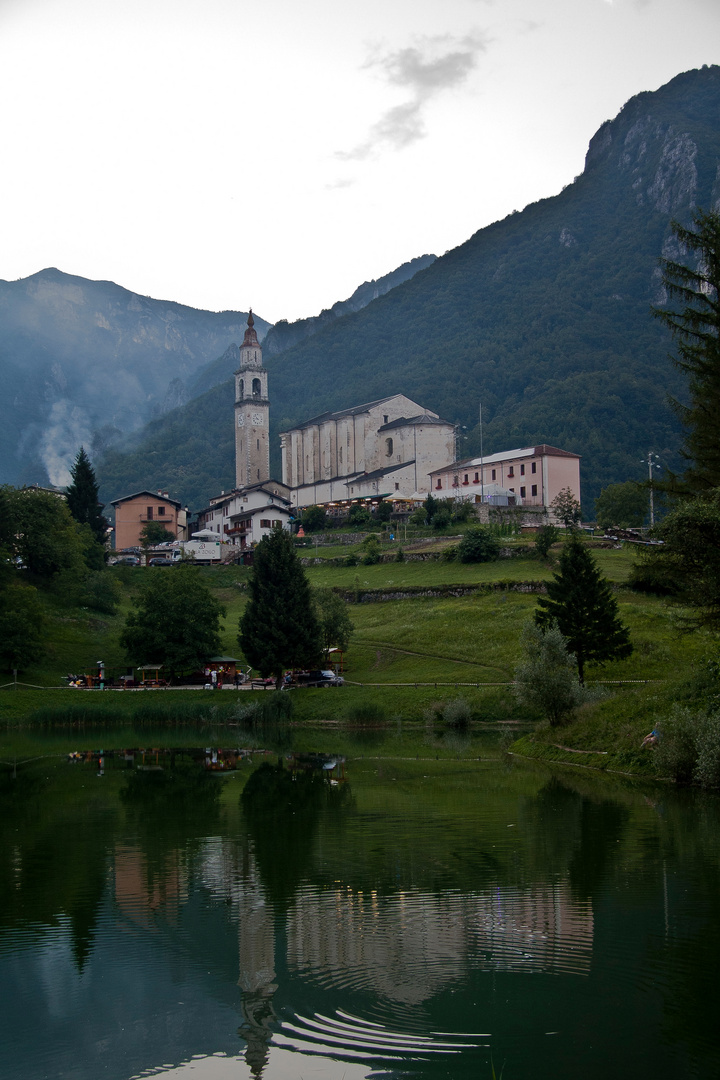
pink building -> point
(532, 476)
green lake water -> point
(392, 905)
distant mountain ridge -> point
(544, 318)
(86, 361)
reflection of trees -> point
(682, 963)
(282, 810)
(51, 863)
(571, 834)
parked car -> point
(319, 678)
(127, 560)
(161, 560)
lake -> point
(334, 907)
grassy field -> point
(408, 657)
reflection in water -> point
(400, 922)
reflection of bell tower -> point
(252, 440)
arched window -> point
(389, 447)
(241, 388)
(256, 388)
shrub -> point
(441, 518)
(372, 551)
(548, 676)
(545, 537)
(399, 555)
(478, 545)
(457, 713)
(366, 712)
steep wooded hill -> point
(87, 361)
(544, 317)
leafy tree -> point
(621, 505)
(431, 506)
(566, 508)
(358, 515)
(547, 677)
(176, 622)
(384, 511)
(478, 545)
(441, 518)
(580, 600)
(21, 626)
(687, 563)
(696, 329)
(279, 627)
(154, 532)
(82, 497)
(545, 537)
(45, 536)
(313, 519)
(372, 551)
(333, 618)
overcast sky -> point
(276, 154)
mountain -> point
(84, 362)
(544, 318)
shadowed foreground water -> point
(319, 918)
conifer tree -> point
(579, 598)
(279, 628)
(82, 496)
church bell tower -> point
(252, 410)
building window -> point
(161, 511)
(522, 470)
(397, 487)
(533, 467)
(511, 472)
(256, 387)
(388, 447)
(533, 489)
(385, 419)
(522, 492)
(276, 523)
(258, 443)
(265, 523)
(438, 486)
(477, 478)
(226, 511)
(466, 481)
(149, 513)
(241, 388)
(493, 474)
(339, 455)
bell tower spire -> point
(252, 413)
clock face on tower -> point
(257, 418)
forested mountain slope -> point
(87, 361)
(544, 317)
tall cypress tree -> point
(82, 497)
(579, 598)
(279, 628)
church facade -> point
(382, 448)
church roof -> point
(423, 420)
(322, 418)
(251, 339)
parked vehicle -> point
(127, 560)
(319, 678)
(161, 560)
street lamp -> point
(652, 462)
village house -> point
(132, 513)
(243, 516)
(531, 477)
(382, 448)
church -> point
(384, 448)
